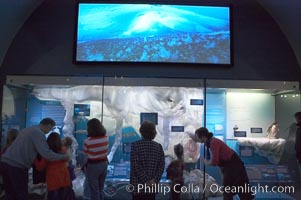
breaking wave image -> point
(153, 33)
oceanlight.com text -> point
(213, 188)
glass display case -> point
(237, 112)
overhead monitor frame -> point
(170, 33)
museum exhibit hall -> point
(231, 67)
(239, 113)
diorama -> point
(241, 115)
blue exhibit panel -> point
(122, 153)
(119, 170)
(216, 113)
(81, 108)
(152, 117)
(39, 109)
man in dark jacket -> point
(147, 162)
(298, 140)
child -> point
(57, 175)
(96, 149)
(273, 131)
(10, 137)
(175, 172)
(67, 143)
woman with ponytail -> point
(233, 170)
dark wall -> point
(44, 46)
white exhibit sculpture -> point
(122, 106)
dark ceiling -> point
(287, 13)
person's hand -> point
(205, 161)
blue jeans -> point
(96, 175)
(15, 181)
(86, 189)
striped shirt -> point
(96, 148)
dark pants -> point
(65, 193)
(144, 196)
(15, 181)
(235, 175)
(175, 190)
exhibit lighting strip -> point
(288, 95)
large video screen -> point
(153, 33)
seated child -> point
(175, 172)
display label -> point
(118, 170)
(81, 108)
(152, 117)
(197, 102)
(240, 133)
(177, 128)
(256, 130)
(269, 174)
(246, 151)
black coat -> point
(298, 143)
